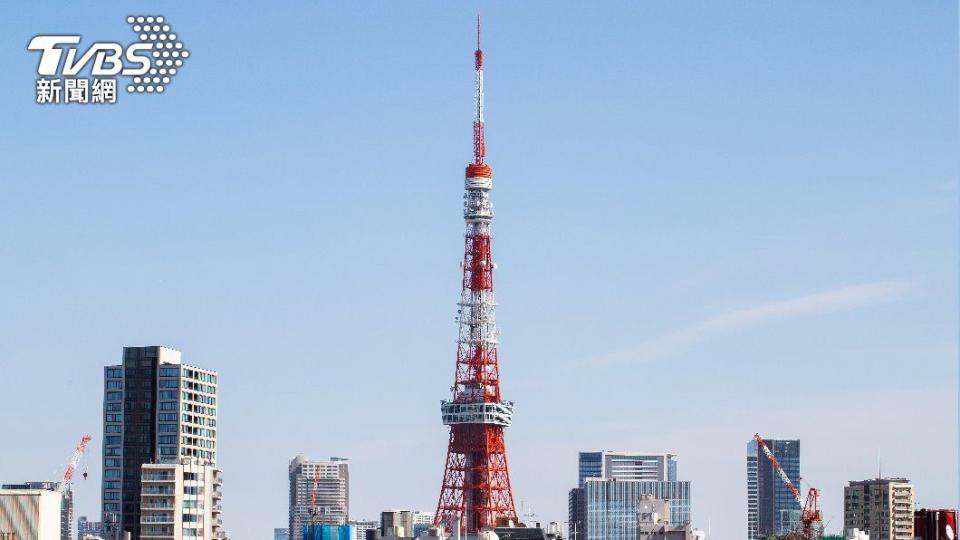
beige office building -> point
(882, 507)
(180, 500)
(29, 514)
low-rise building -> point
(180, 499)
(85, 528)
(66, 505)
(30, 514)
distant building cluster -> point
(161, 481)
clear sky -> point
(712, 219)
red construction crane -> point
(811, 508)
(72, 464)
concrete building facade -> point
(180, 500)
(30, 514)
(881, 507)
(66, 504)
(331, 481)
(155, 409)
(626, 466)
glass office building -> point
(777, 509)
(611, 506)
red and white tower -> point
(476, 483)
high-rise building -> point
(154, 408)
(66, 504)
(777, 510)
(882, 507)
(611, 507)
(475, 491)
(627, 466)
(656, 473)
(326, 482)
(753, 502)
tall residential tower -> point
(155, 410)
(475, 491)
(319, 493)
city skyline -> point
(737, 209)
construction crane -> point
(810, 516)
(72, 465)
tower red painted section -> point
(475, 492)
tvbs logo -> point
(150, 63)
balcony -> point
(156, 518)
(157, 490)
(157, 505)
(158, 478)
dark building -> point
(577, 512)
(778, 511)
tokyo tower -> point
(476, 483)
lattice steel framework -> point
(476, 482)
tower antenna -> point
(479, 146)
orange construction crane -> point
(810, 517)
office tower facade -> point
(180, 500)
(66, 504)
(627, 466)
(881, 507)
(777, 510)
(656, 473)
(611, 507)
(326, 482)
(154, 408)
(753, 501)
(32, 514)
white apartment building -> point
(180, 500)
(330, 480)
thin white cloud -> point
(831, 301)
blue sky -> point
(711, 220)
